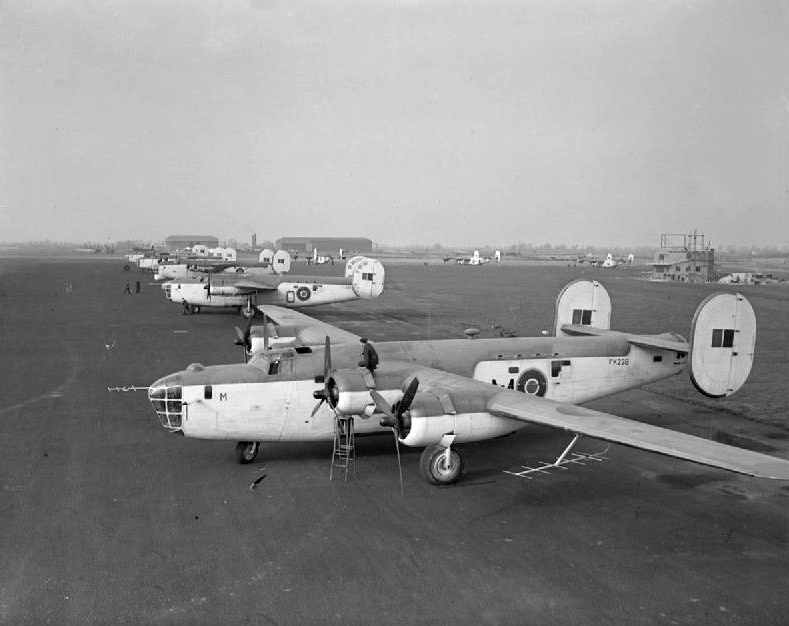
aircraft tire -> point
(435, 471)
(246, 451)
(126, 268)
(247, 313)
(239, 270)
(303, 293)
(195, 309)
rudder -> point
(723, 336)
(583, 303)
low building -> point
(325, 245)
(179, 242)
(684, 258)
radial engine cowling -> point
(348, 392)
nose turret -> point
(166, 397)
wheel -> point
(126, 268)
(239, 270)
(434, 468)
(195, 308)
(246, 451)
(247, 312)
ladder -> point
(344, 453)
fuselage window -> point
(657, 358)
(273, 368)
(556, 367)
(514, 370)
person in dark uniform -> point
(369, 355)
(127, 289)
(186, 310)
(137, 287)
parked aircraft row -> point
(305, 379)
(474, 259)
(247, 288)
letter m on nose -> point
(222, 396)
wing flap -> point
(636, 434)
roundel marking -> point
(303, 293)
(532, 382)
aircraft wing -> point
(259, 283)
(666, 341)
(527, 408)
(637, 434)
(313, 331)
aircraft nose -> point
(166, 397)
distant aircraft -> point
(196, 268)
(319, 259)
(441, 393)
(248, 292)
(609, 261)
(474, 259)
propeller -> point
(243, 338)
(322, 395)
(393, 416)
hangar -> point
(176, 242)
(329, 245)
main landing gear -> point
(246, 451)
(441, 464)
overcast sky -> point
(460, 122)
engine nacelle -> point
(350, 395)
(223, 290)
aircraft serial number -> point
(619, 361)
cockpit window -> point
(273, 368)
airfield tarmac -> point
(107, 519)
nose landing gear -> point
(246, 451)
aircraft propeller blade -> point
(239, 336)
(394, 419)
(380, 404)
(408, 396)
(327, 360)
(322, 395)
(243, 338)
(399, 464)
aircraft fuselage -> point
(290, 293)
(270, 398)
